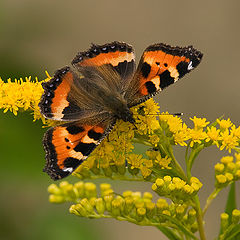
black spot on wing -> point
(94, 135)
(85, 148)
(125, 69)
(73, 129)
(182, 68)
(150, 87)
(72, 162)
(165, 79)
(71, 109)
(145, 70)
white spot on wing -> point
(190, 67)
(70, 169)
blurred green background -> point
(45, 35)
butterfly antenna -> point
(159, 114)
(125, 150)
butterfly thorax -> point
(118, 107)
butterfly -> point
(100, 88)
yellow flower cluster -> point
(227, 171)
(21, 95)
(227, 136)
(129, 206)
(176, 189)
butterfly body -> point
(101, 87)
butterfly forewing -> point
(160, 66)
(118, 56)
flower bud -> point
(108, 202)
(86, 204)
(191, 216)
(54, 189)
(236, 216)
(80, 210)
(224, 221)
(56, 199)
(79, 186)
(100, 206)
(90, 190)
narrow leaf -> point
(180, 226)
(231, 201)
(233, 234)
(169, 233)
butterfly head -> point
(125, 114)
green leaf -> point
(169, 233)
(231, 203)
(233, 234)
(180, 226)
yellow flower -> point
(199, 122)
(145, 116)
(174, 123)
(154, 139)
(181, 136)
(236, 131)
(229, 141)
(213, 134)
(145, 171)
(224, 124)
(163, 162)
(196, 136)
(135, 160)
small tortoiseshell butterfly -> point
(101, 87)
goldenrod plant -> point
(177, 212)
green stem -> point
(196, 206)
(122, 178)
(190, 160)
(199, 215)
(176, 165)
(142, 141)
(211, 197)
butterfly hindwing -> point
(118, 55)
(160, 66)
(68, 145)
